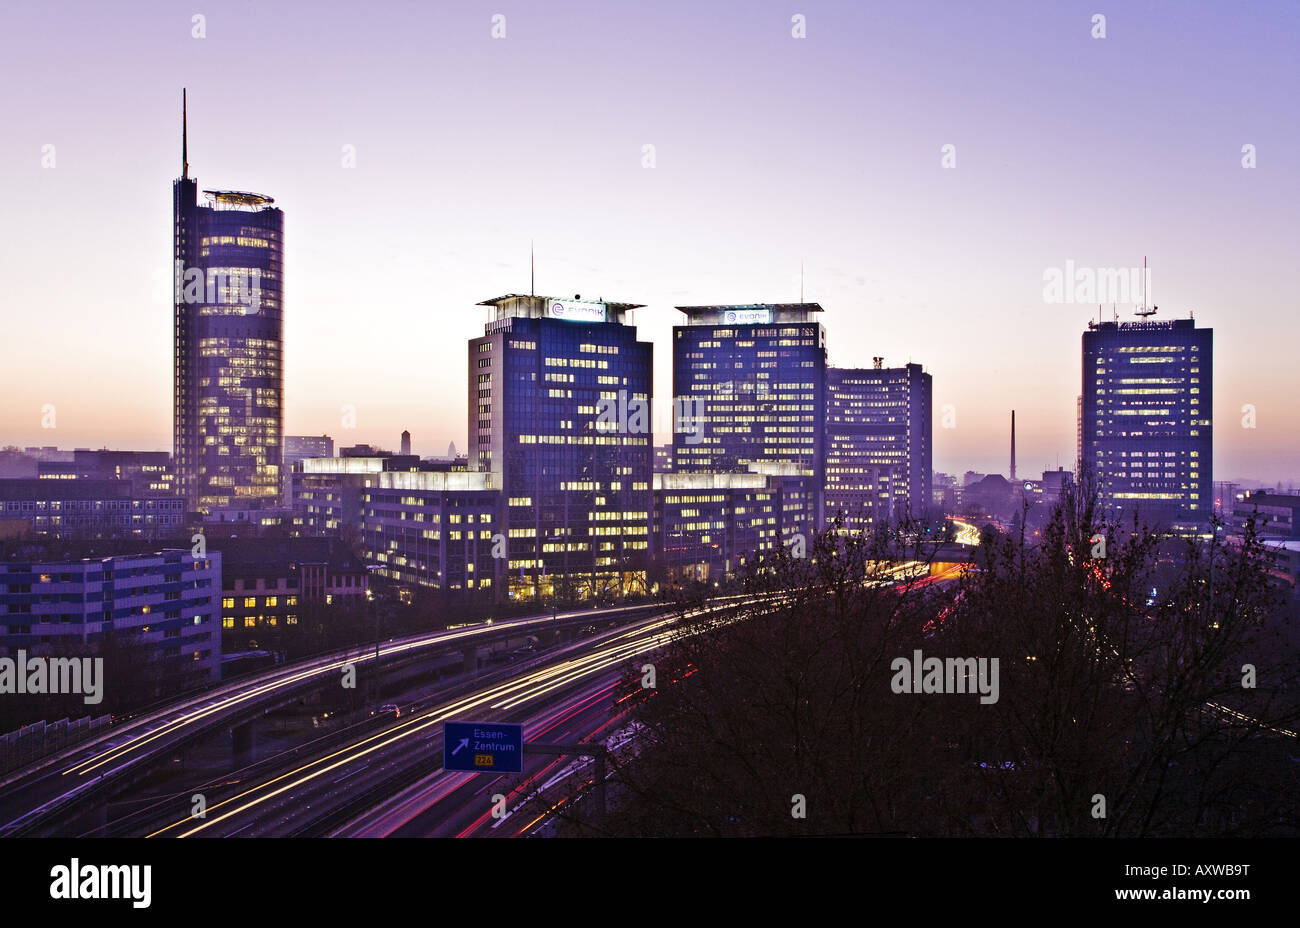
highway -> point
(49, 786)
(568, 695)
(383, 776)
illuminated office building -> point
(707, 525)
(1146, 426)
(878, 444)
(228, 335)
(559, 415)
(751, 381)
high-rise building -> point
(229, 329)
(878, 443)
(406, 443)
(560, 415)
(1147, 426)
(750, 381)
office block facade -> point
(435, 529)
(87, 509)
(752, 379)
(560, 416)
(879, 455)
(707, 525)
(167, 602)
(299, 447)
(267, 583)
(1147, 418)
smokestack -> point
(1013, 446)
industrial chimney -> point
(1013, 446)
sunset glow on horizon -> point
(662, 155)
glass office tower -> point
(229, 330)
(753, 379)
(878, 443)
(559, 413)
(1146, 426)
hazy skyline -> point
(768, 151)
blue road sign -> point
(483, 747)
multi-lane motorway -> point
(44, 791)
(569, 696)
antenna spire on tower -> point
(532, 271)
(801, 281)
(185, 139)
(1145, 310)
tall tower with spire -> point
(228, 333)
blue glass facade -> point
(229, 332)
(752, 379)
(559, 414)
(1146, 418)
(879, 454)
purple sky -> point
(769, 150)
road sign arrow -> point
(464, 743)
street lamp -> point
(371, 570)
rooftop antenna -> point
(801, 281)
(532, 271)
(1114, 312)
(185, 140)
(1144, 311)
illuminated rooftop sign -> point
(576, 310)
(747, 316)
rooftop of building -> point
(60, 552)
(437, 481)
(1163, 325)
(510, 297)
(35, 488)
(742, 307)
(265, 556)
(238, 199)
(1268, 498)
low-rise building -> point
(436, 529)
(268, 582)
(89, 508)
(165, 603)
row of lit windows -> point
(250, 602)
(252, 621)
